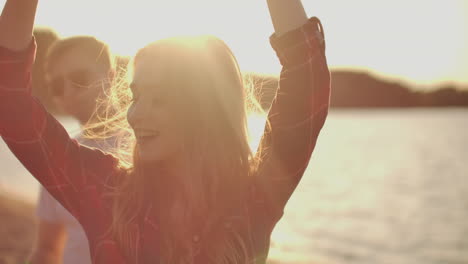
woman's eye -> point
(80, 78)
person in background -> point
(79, 70)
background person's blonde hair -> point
(93, 46)
(210, 100)
(45, 37)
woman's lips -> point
(146, 136)
(146, 139)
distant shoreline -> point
(356, 89)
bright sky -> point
(421, 41)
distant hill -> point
(350, 90)
(361, 90)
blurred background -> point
(388, 181)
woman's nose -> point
(131, 115)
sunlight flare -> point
(256, 124)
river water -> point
(383, 186)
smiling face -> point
(188, 101)
(152, 114)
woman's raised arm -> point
(301, 104)
(64, 167)
(16, 24)
(286, 15)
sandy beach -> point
(17, 229)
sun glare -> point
(256, 125)
(420, 41)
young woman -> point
(194, 193)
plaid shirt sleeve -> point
(59, 163)
(297, 114)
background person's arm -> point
(51, 234)
(50, 243)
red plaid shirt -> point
(78, 177)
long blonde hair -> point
(211, 102)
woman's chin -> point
(156, 155)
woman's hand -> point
(16, 24)
(286, 15)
